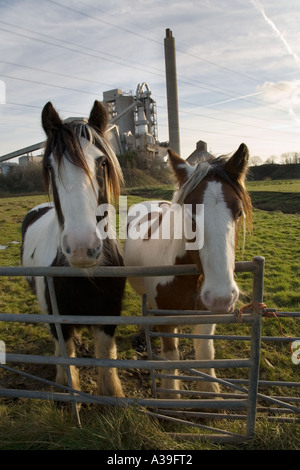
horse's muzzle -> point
(82, 254)
(218, 303)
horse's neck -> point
(178, 247)
(172, 235)
(112, 253)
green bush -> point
(22, 180)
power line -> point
(39, 40)
(184, 112)
(204, 131)
(49, 84)
(233, 135)
(242, 137)
(26, 105)
(233, 122)
(150, 39)
(121, 28)
(181, 80)
(205, 87)
(59, 74)
(72, 43)
(227, 120)
(158, 42)
(93, 94)
(87, 80)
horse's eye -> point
(240, 213)
(102, 161)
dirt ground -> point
(136, 382)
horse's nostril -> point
(206, 297)
(91, 252)
(94, 252)
(68, 250)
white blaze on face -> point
(219, 291)
(81, 241)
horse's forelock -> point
(194, 180)
(65, 141)
(115, 176)
(216, 167)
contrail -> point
(259, 7)
(233, 99)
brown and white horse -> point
(199, 226)
(84, 174)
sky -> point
(238, 67)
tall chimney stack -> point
(172, 99)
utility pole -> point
(172, 99)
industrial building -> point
(200, 154)
(134, 121)
(29, 158)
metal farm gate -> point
(242, 400)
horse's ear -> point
(50, 119)
(236, 166)
(181, 168)
(98, 117)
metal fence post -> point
(257, 296)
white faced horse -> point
(199, 226)
(83, 173)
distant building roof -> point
(6, 166)
(200, 154)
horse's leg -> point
(169, 349)
(204, 350)
(105, 348)
(61, 377)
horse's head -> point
(219, 185)
(83, 172)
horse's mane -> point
(215, 167)
(65, 143)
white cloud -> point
(285, 94)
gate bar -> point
(115, 271)
(122, 320)
(126, 363)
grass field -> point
(279, 186)
(35, 425)
(276, 195)
(267, 195)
